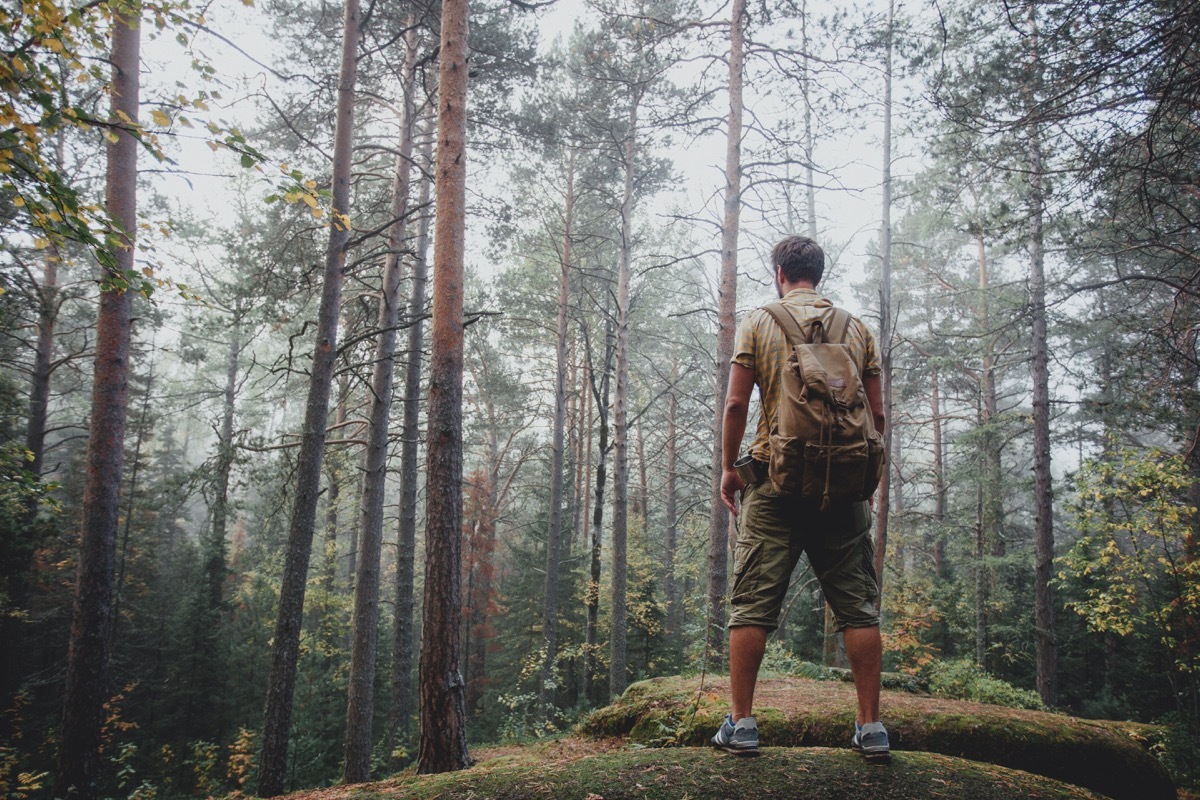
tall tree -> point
(282, 679)
(554, 528)
(403, 635)
(885, 300)
(718, 530)
(85, 691)
(361, 703)
(443, 736)
(1046, 638)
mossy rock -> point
(693, 774)
(1107, 757)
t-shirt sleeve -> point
(871, 364)
(743, 343)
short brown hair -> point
(801, 259)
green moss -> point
(1106, 757)
(693, 774)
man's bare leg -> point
(746, 646)
(864, 648)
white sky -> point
(850, 214)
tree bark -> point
(1047, 643)
(670, 587)
(403, 638)
(718, 529)
(939, 474)
(443, 737)
(617, 677)
(591, 636)
(360, 710)
(84, 691)
(554, 532)
(216, 549)
(809, 146)
(885, 306)
(285, 652)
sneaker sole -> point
(878, 757)
(744, 752)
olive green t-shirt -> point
(761, 345)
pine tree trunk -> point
(1047, 640)
(361, 702)
(591, 636)
(718, 529)
(281, 682)
(443, 730)
(617, 677)
(806, 91)
(85, 691)
(990, 524)
(403, 635)
(216, 549)
(554, 533)
(939, 476)
(882, 506)
(670, 544)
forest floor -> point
(649, 745)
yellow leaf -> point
(308, 198)
(214, 146)
(55, 45)
(112, 137)
(160, 118)
(149, 273)
(19, 64)
(19, 201)
(40, 243)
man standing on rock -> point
(775, 527)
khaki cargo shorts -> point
(774, 529)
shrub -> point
(965, 680)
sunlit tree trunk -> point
(84, 691)
(443, 729)
(281, 682)
(718, 529)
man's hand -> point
(731, 484)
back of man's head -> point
(801, 259)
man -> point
(774, 529)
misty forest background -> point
(1007, 192)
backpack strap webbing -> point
(839, 323)
(835, 328)
(784, 319)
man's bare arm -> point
(733, 426)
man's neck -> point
(786, 286)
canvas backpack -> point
(824, 445)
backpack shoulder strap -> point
(839, 324)
(784, 319)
